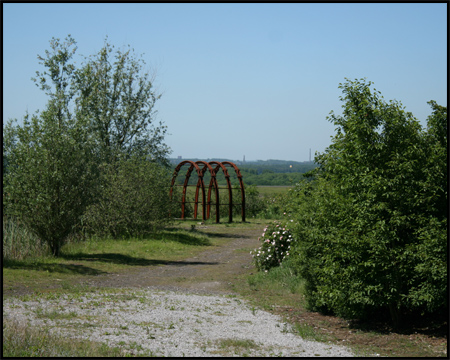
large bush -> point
(51, 178)
(134, 200)
(372, 226)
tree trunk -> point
(395, 314)
(55, 248)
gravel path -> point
(182, 308)
(168, 323)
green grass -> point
(237, 343)
(20, 340)
(101, 256)
(53, 315)
(308, 332)
(278, 286)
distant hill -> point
(260, 172)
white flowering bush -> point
(276, 241)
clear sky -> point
(243, 79)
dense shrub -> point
(371, 228)
(51, 178)
(134, 200)
(276, 241)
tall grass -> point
(21, 340)
(19, 243)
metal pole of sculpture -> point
(206, 203)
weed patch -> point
(241, 347)
(20, 340)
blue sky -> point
(243, 79)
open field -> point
(273, 190)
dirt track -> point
(210, 271)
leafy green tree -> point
(50, 178)
(97, 117)
(373, 219)
(57, 80)
(435, 182)
(117, 96)
(112, 93)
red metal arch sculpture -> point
(206, 203)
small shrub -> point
(275, 246)
(254, 202)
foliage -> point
(276, 241)
(116, 95)
(134, 200)
(96, 115)
(260, 173)
(273, 206)
(272, 178)
(116, 99)
(371, 226)
(274, 172)
(56, 81)
(254, 203)
(50, 178)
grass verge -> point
(20, 340)
(101, 256)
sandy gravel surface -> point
(168, 323)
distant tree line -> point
(270, 173)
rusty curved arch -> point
(186, 180)
(241, 184)
(213, 183)
(219, 165)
